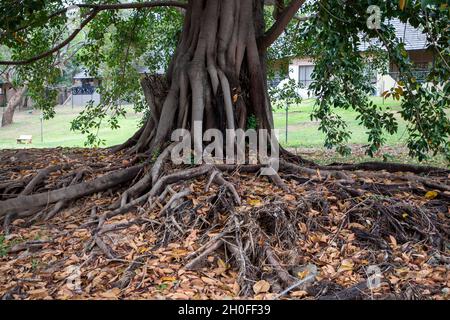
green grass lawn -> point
(302, 132)
(57, 133)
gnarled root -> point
(260, 242)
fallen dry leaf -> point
(111, 294)
(346, 265)
(431, 195)
(261, 287)
(299, 294)
(255, 202)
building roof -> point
(413, 38)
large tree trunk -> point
(16, 99)
(217, 76)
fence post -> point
(42, 128)
(287, 118)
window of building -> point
(304, 75)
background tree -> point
(15, 95)
(39, 85)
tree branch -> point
(137, 5)
(54, 49)
(101, 7)
(279, 8)
(280, 24)
(96, 8)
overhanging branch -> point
(56, 48)
(280, 24)
(96, 8)
(137, 5)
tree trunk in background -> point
(217, 76)
(62, 96)
(16, 99)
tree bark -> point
(216, 78)
(16, 99)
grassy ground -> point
(56, 131)
(303, 134)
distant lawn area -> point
(302, 132)
(56, 131)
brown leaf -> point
(38, 294)
(111, 294)
(393, 241)
(208, 280)
(346, 265)
(261, 287)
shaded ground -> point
(396, 153)
(325, 231)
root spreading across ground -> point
(81, 223)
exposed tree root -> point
(265, 240)
(308, 208)
(42, 174)
(201, 257)
(21, 203)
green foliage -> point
(135, 39)
(25, 31)
(6, 245)
(252, 122)
(3, 247)
(285, 94)
(89, 122)
(341, 81)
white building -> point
(301, 68)
(85, 89)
